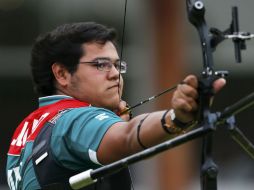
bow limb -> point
(196, 15)
(209, 170)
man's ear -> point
(61, 74)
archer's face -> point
(97, 87)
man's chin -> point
(112, 105)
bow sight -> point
(208, 121)
(196, 12)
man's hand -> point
(184, 101)
(122, 107)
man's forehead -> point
(96, 49)
(99, 45)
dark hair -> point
(63, 45)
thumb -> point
(219, 84)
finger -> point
(188, 99)
(124, 110)
(188, 91)
(122, 105)
(184, 103)
(219, 84)
(191, 80)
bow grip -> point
(205, 82)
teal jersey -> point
(75, 140)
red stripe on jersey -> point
(30, 127)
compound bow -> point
(207, 120)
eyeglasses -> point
(106, 65)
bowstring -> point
(122, 44)
(121, 57)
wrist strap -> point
(164, 125)
(176, 126)
(181, 125)
(178, 123)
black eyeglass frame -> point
(120, 65)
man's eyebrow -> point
(102, 58)
(105, 58)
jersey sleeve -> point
(77, 136)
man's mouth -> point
(114, 86)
